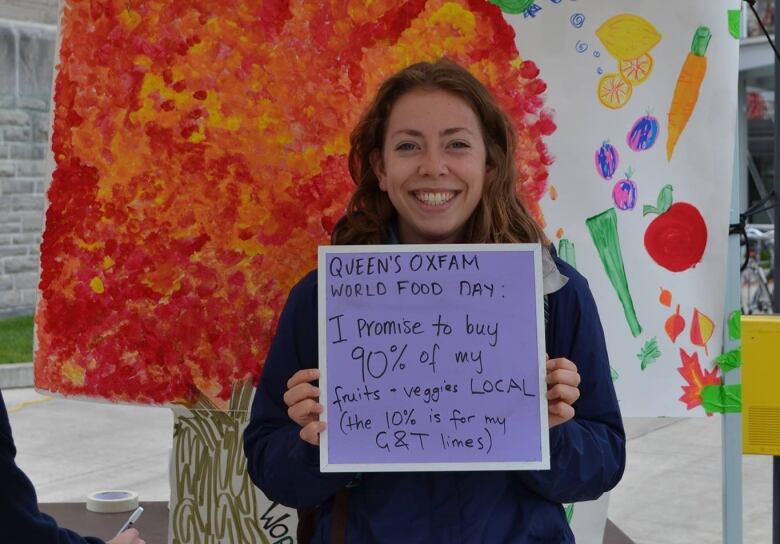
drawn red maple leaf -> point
(696, 377)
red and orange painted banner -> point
(200, 153)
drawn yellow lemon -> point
(628, 36)
(637, 70)
(614, 91)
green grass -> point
(16, 339)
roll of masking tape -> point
(106, 502)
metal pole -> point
(776, 296)
(731, 424)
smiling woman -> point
(433, 159)
(16, 339)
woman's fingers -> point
(559, 412)
(302, 397)
(564, 393)
(303, 376)
(563, 382)
(305, 412)
(311, 432)
(562, 371)
(299, 393)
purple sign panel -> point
(432, 359)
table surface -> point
(153, 524)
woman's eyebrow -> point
(418, 134)
(453, 130)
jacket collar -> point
(552, 279)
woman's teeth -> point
(434, 199)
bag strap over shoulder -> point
(338, 525)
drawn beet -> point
(643, 133)
(607, 160)
(676, 239)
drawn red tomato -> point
(676, 239)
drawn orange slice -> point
(637, 70)
(614, 91)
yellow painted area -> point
(284, 139)
(233, 123)
(628, 36)
(129, 19)
(197, 136)
(165, 279)
(89, 246)
(760, 384)
(108, 262)
(251, 247)
(339, 146)
(456, 15)
(198, 49)
(97, 285)
(143, 60)
(154, 86)
(73, 373)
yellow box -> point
(761, 384)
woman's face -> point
(433, 166)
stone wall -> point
(26, 73)
(30, 11)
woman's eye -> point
(405, 146)
(459, 144)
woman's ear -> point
(490, 173)
(378, 166)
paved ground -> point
(670, 494)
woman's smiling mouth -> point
(434, 198)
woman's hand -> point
(563, 382)
(130, 536)
(303, 407)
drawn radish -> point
(624, 192)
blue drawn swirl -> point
(581, 47)
(597, 54)
(577, 20)
(599, 71)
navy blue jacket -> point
(20, 520)
(587, 453)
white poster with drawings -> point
(644, 96)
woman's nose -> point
(433, 164)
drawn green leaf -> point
(649, 353)
(665, 199)
(613, 374)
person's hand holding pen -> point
(128, 535)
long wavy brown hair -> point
(500, 216)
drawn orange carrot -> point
(686, 92)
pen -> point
(131, 520)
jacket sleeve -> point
(20, 518)
(588, 452)
(280, 463)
